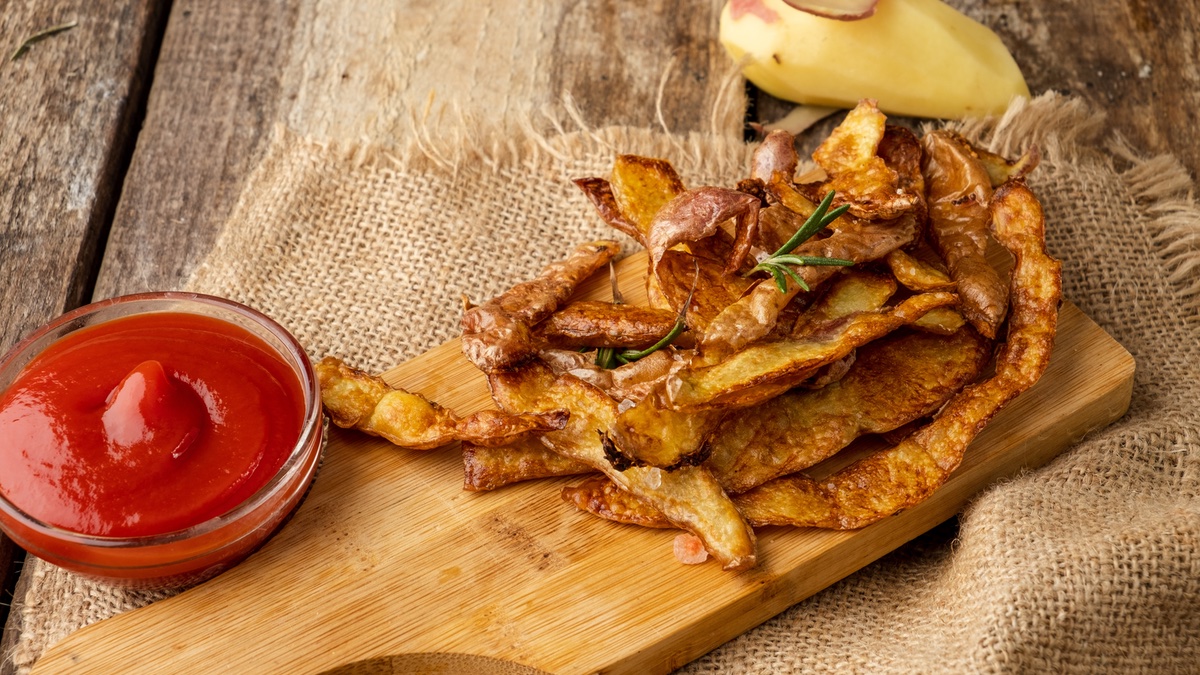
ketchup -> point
(146, 425)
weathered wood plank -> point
(1139, 61)
(70, 106)
(228, 74)
(216, 96)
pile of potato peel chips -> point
(920, 339)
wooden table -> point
(127, 138)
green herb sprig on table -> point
(777, 263)
(39, 36)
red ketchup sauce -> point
(146, 425)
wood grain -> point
(70, 106)
(216, 96)
(389, 556)
(228, 74)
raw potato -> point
(916, 57)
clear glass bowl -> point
(191, 555)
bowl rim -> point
(293, 354)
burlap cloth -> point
(1089, 564)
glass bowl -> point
(200, 551)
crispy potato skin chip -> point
(357, 400)
(651, 433)
(759, 371)
(958, 190)
(600, 496)
(690, 497)
(775, 158)
(852, 292)
(909, 472)
(754, 314)
(715, 290)
(600, 192)
(496, 335)
(894, 380)
(591, 323)
(863, 179)
(360, 401)
(641, 187)
(494, 428)
(697, 214)
(916, 274)
(488, 468)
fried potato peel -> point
(858, 173)
(756, 372)
(689, 498)
(496, 335)
(641, 187)
(959, 189)
(488, 468)
(916, 274)
(600, 496)
(755, 314)
(698, 214)
(853, 292)
(355, 399)
(766, 382)
(591, 323)
(906, 474)
(893, 381)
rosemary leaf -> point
(39, 36)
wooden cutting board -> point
(389, 565)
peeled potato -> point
(915, 57)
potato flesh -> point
(915, 57)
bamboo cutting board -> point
(389, 565)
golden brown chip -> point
(497, 335)
(775, 159)
(678, 272)
(652, 433)
(600, 192)
(591, 323)
(860, 176)
(999, 169)
(488, 468)
(754, 314)
(894, 380)
(690, 497)
(943, 321)
(354, 399)
(758, 371)
(494, 428)
(906, 474)
(600, 496)
(698, 214)
(958, 192)
(916, 274)
(641, 187)
(851, 292)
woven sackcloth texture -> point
(1090, 564)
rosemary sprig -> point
(39, 36)
(609, 357)
(777, 263)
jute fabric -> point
(1090, 564)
